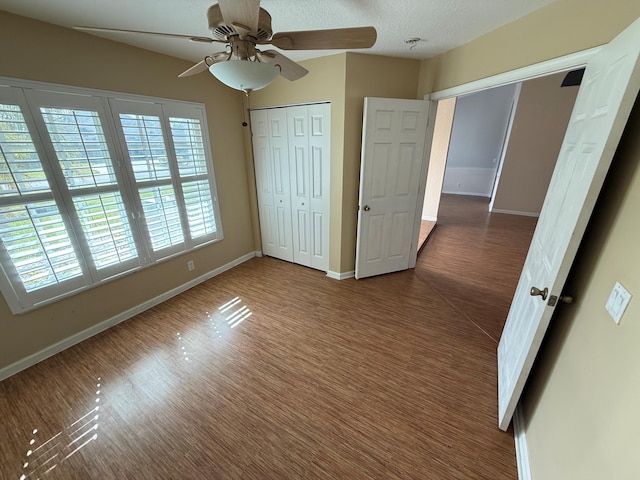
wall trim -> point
(470, 194)
(76, 338)
(522, 451)
(515, 212)
(341, 275)
(541, 69)
(429, 218)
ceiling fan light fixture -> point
(244, 75)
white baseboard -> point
(470, 194)
(51, 350)
(429, 218)
(515, 212)
(258, 253)
(341, 276)
(522, 452)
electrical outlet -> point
(618, 301)
(190, 265)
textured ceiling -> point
(443, 24)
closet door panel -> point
(279, 165)
(319, 167)
(298, 125)
(264, 182)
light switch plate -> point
(618, 301)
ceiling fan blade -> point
(288, 68)
(193, 38)
(241, 13)
(358, 37)
(204, 64)
(201, 66)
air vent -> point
(222, 31)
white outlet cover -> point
(618, 301)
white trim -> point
(515, 212)
(121, 317)
(341, 276)
(505, 143)
(470, 194)
(548, 67)
(429, 218)
(522, 451)
(258, 253)
(422, 182)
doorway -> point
(506, 154)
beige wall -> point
(582, 402)
(563, 27)
(39, 51)
(539, 124)
(438, 157)
(344, 79)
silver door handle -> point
(536, 292)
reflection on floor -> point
(274, 371)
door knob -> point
(536, 292)
(366, 208)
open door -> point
(609, 89)
(393, 160)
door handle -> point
(366, 208)
(536, 292)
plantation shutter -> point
(78, 137)
(93, 187)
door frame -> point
(542, 69)
(505, 143)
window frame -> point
(30, 96)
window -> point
(93, 187)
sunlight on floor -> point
(42, 458)
(236, 315)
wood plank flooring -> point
(274, 371)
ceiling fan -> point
(243, 25)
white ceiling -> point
(443, 24)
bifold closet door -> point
(308, 129)
(271, 154)
(291, 153)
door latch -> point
(553, 299)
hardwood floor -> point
(391, 377)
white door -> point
(271, 153)
(309, 145)
(319, 193)
(392, 160)
(299, 174)
(609, 89)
